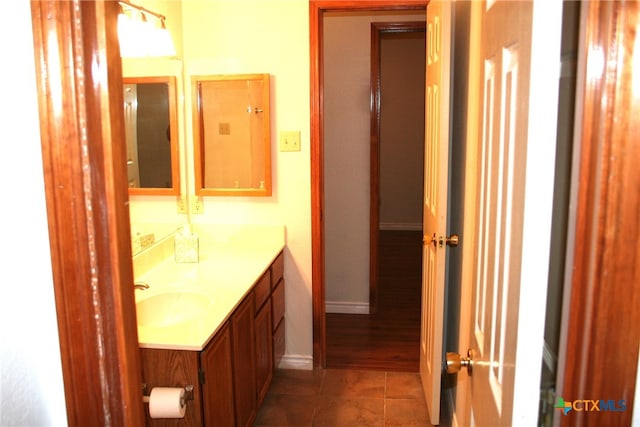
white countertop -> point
(232, 259)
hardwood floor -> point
(389, 339)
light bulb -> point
(140, 38)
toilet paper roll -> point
(166, 402)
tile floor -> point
(336, 398)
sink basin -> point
(171, 308)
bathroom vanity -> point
(217, 324)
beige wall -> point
(258, 36)
(243, 37)
(346, 143)
(159, 210)
(402, 60)
(251, 36)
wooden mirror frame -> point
(174, 190)
(198, 140)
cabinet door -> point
(264, 352)
(244, 362)
(173, 368)
(278, 323)
(217, 389)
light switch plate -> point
(289, 140)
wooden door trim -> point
(377, 30)
(603, 331)
(316, 10)
(79, 85)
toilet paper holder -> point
(188, 394)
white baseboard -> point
(296, 361)
(346, 307)
(400, 226)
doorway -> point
(358, 182)
(397, 138)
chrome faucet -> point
(141, 285)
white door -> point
(514, 72)
(434, 227)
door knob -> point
(452, 240)
(439, 242)
(455, 362)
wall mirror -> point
(231, 134)
(151, 128)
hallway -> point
(389, 339)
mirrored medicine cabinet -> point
(151, 130)
(231, 135)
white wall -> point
(31, 388)
(347, 55)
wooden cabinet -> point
(277, 304)
(232, 374)
(168, 368)
(264, 350)
(277, 301)
(244, 361)
(264, 340)
(217, 380)
(262, 290)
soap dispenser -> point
(186, 245)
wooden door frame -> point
(377, 30)
(316, 10)
(601, 331)
(79, 84)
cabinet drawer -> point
(277, 303)
(262, 290)
(277, 270)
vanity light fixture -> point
(140, 38)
